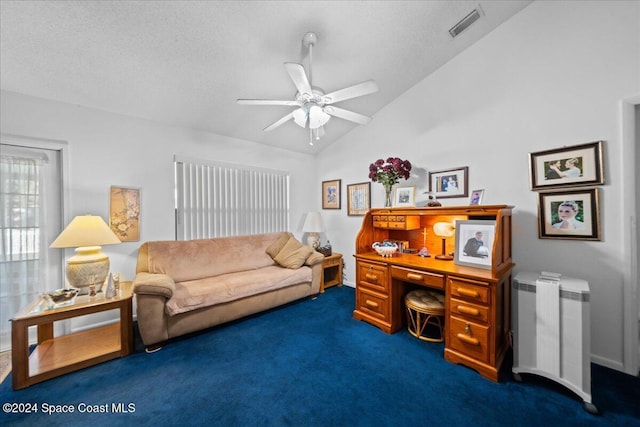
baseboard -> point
(608, 363)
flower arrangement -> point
(388, 173)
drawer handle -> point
(468, 310)
(467, 339)
(414, 276)
(468, 292)
(371, 304)
(372, 277)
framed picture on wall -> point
(578, 165)
(449, 183)
(573, 214)
(474, 241)
(404, 196)
(358, 198)
(331, 194)
(124, 213)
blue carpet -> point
(311, 364)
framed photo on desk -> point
(474, 240)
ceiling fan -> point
(314, 107)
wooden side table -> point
(332, 271)
(55, 356)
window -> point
(30, 214)
(218, 200)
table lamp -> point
(89, 265)
(313, 225)
(444, 230)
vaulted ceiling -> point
(185, 63)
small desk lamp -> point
(313, 225)
(444, 230)
(89, 265)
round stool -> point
(425, 308)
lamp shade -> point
(313, 223)
(444, 229)
(85, 230)
(89, 266)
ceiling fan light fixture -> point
(300, 117)
(317, 117)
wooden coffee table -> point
(55, 356)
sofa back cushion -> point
(197, 259)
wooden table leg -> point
(19, 354)
(45, 332)
(126, 328)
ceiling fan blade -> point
(347, 115)
(267, 102)
(361, 89)
(299, 77)
(279, 122)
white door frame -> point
(631, 238)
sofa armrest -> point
(154, 284)
(314, 258)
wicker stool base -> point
(425, 308)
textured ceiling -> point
(186, 62)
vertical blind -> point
(220, 199)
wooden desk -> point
(332, 271)
(477, 301)
(55, 356)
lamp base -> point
(89, 266)
(313, 240)
(444, 257)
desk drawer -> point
(373, 276)
(469, 338)
(467, 290)
(476, 313)
(424, 278)
(372, 304)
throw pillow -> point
(293, 254)
(274, 248)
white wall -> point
(109, 149)
(551, 76)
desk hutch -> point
(477, 301)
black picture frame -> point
(586, 219)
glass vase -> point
(388, 194)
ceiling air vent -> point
(465, 23)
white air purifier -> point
(551, 331)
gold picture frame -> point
(358, 198)
(331, 194)
(124, 213)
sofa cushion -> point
(197, 259)
(210, 291)
(293, 254)
(274, 249)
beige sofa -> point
(186, 286)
